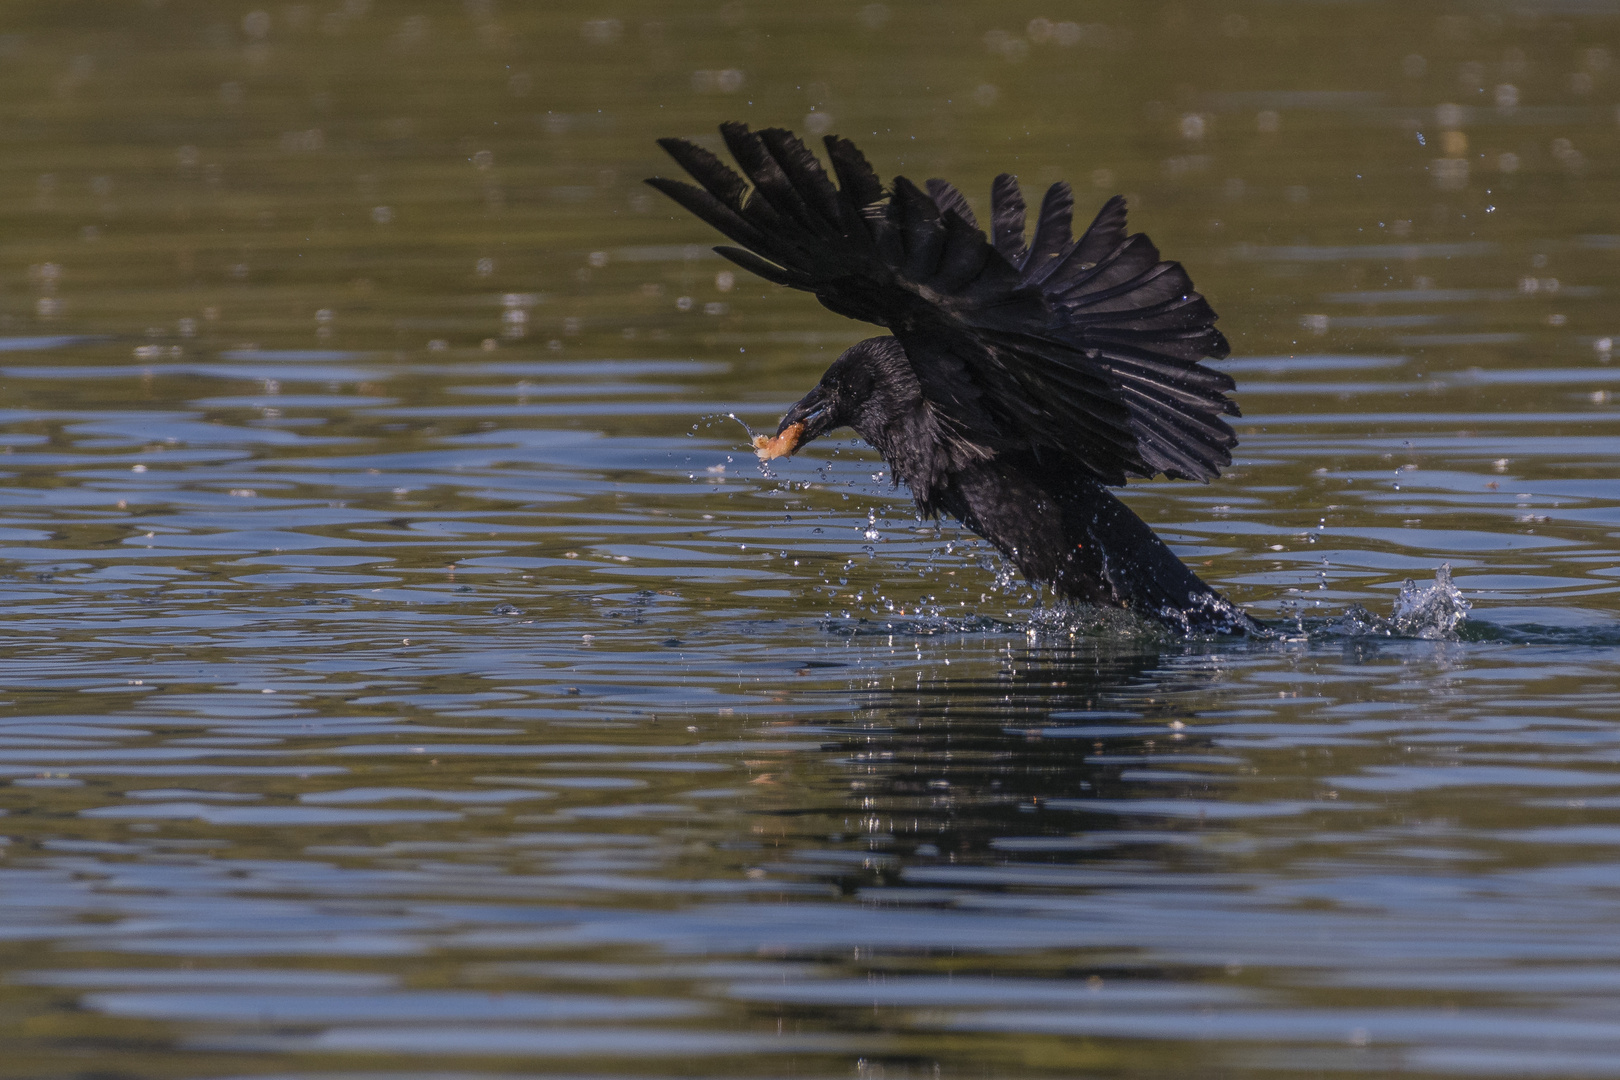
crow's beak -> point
(806, 420)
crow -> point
(1022, 376)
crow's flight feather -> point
(1080, 351)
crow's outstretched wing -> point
(1086, 350)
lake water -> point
(409, 672)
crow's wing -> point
(1086, 350)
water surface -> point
(408, 670)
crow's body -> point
(1020, 380)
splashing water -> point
(708, 420)
(749, 431)
(1072, 620)
(748, 438)
(1430, 611)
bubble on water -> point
(306, 140)
(602, 31)
(874, 16)
(722, 81)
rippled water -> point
(409, 671)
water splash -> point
(920, 624)
(1072, 621)
(748, 430)
(1432, 611)
(710, 419)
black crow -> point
(1023, 375)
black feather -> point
(711, 210)
(1007, 219)
(964, 256)
(859, 185)
(1107, 232)
(756, 265)
(770, 182)
(1052, 236)
(947, 198)
(807, 177)
(708, 170)
(917, 220)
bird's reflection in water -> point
(1031, 763)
